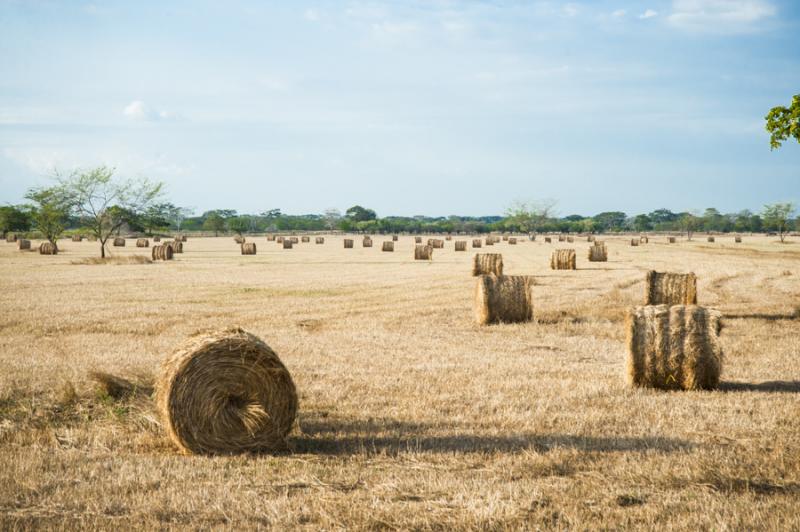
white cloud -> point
(570, 10)
(312, 14)
(619, 13)
(720, 16)
(138, 110)
(649, 13)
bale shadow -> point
(767, 386)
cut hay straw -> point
(388, 246)
(319, 240)
(177, 247)
(367, 242)
(476, 242)
(737, 239)
(279, 240)
(11, 238)
(348, 243)
(643, 239)
(295, 240)
(117, 260)
(563, 259)
(489, 241)
(395, 238)
(448, 237)
(226, 392)
(570, 239)
(561, 238)
(118, 387)
(48, 248)
(665, 288)
(180, 238)
(119, 242)
(423, 252)
(461, 245)
(598, 253)
(161, 252)
(239, 239)
(249, 248)
(590, 238)
(503, 299)
(142, 243)
(505, 238)
(23, 244)
(674, 347)
(487, 263)
(288, 243)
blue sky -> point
(419, 107)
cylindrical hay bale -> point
(505, 238)
(590, 238)
(423, 253)
(644, 239)
(226, 392)
(561, 238)
(489, 241)
(503, 299)
(388, 246)
(570, 239)
(448, 237)
(11, 238)
(436, 243)
(674, 347)
(664, 288)
(487, 264)
(598, 253)
(563, 259)
(180, 238)
(270, 238)
(295, 240)
(279, 240)
(305, 239)
(319, 240)
(737, 239)
(476, 242)
(367, 242)
(512, 241)
(249, 248)
(418, 240)
(48, 248)
(547, 240)
(177, 247)
(23, 244)
(119, 242)
(161, 252)
(461, 245)
(287, 243)
(156, 239)
(394, 238)
(142, 243)
(672, 240)
(634, 242)
(77, 238)
(711, 239)
(348, 243)
(532, 238)
(239, 239)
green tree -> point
(15, 218)
(238, 224)
(783, 123)
(530, 216)
(51, 212)
(357, 213)
(214, 222)
(642, 222)
(611, 221)
(778, 216)
(689, 222)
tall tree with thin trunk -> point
(778, 216)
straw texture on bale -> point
(161, 252)
(489, 241)
(461, 245)
(319, 240)
(436, 243)
(512, 241)
(737, 239)
(503, 299)
(348, 243)
(279, 240)
(598, 253)
(423, 252)
(142, 243)
(119, 242)
(547, 240)
(180, 238)
(11, 238)
(226, 392)
(672, 240)
(395, 238)
(674, 347)
(487, 264)
(156, 239)
(23, 244)
(270, 238)
(561, 238)
(505, 238)
(177, 247)
(249, 248)
(476, 242)
(388, 246)
(634, 242)
(665, 288)
(305, 239)
(77, 238)
(570, 239)
(287, 243)
(367, 242)
(563, 259)
(644, 239)
(48, 248)
(711, 239)
(418, 240)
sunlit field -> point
(411, 416)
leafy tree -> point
(611, 221)
(778, 216)
(641, 222)
(530, 216)
(214, 222)
(15, 218)
(332, 218)
(238, 224)
(51, 213)
(103, 204)
(357, 213)
(689, 222)
(783, 123)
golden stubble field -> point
(411, 416)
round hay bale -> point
(348, 243)
(505, 238)
(180, 238)
(394, 238)
(711, 239)
(279, 240)
(288, 243)
(448, 237)
(461, 245)
(674, 347)
(590, 238)
(476, 242)
(161, 252)
(23, 244)
(367, 242)
(142, 243)
(48, 248)
(503, 299)
(563, 259)
(489, 241)
(598, 253)
(320, 240)
(737, 239)
(512, 241)
(249, 248)
(77, 238)
(226, 392)
(11, 238)
(156, 239)
(423, 253)
(561, 238)
(294, 240)
(177, 247)
(665, 288)
(671, 239)
(119, 242)
(487, 263)
(436, 243)
(643, 239)
(634, 242)
(388, 246)
(418, 240)
(270, 238)
(305, 239)
(239, 239)
(570, 239)
(547, 240)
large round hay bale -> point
(11, 238)
(711, 239)
(563, 259)
(249, 248)
(177, 247)
(671, 239)
(48, 248)
(489, 241)
(319, 240)
(487, 263)
(77, 238)
(226, 392)
(119, 242)
(503, 299)
(423, 253)
(548, 240)
(305, 239)
(570, 239)
(161, 252)
(461, 245)
(142, 243)
(388, 246)
(418, 240)
(348, 243)
(23, 244)
(476, 242)
(737, 239)
(395, 238)
(561, 238)
(288, 243)
(512, 241)
(643, 239)
(665, 288)
(156, 239)
(634, 242)
(598, 253)
(436, 243)
(239, 239)
(180, 238)
(674, 347)
(367, 242)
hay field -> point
(410, 415)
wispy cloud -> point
(649, 13)
(138, 110)
(619, 13)
(720, 16)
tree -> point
(357, 213)
(689, 222)
(15, 218)
(778, 216)
(332, 218)
(238, 224)
(160, 215)
(51, 213)
(611, 221)
(103, 204)
(214, 222)
(642, 222)
(530, 215)
(783, 123)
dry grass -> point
(411, 416)
(116, 260)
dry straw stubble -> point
(503, 299)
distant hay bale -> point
(561, 238)
(305, 239)
(737, 239)
(503, 299)
(505, 238)
(23, 244)
(590, 238)
(563, 259)
(77, 238)
(489, 241)
(418, 240)
(177, 247)
(547, 240)
(664, 288)
(366, 242)
(319, 240)
(348, 243)
(156, 239)
(674, 347)
(532, 238)
(270, 238)
(423, 252)
(461, 245)
(142, 243)
(512, 241)
(671, 240)
(570, 239)
(634, 242)
(487, 263)
(388, 246)
(11, 238)
(239, 239)
(395, 238)
(644, 239)
(448, 237)
(161, 252)
(711, 239)
(288, 243)
(48, 248)
(279, 240)
(226, 392)
(598, 253)
(294, 240)
(436, 243)
(179, 238)
(249, 248)
(119, 242)
(476, 242)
